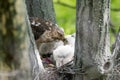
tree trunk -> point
(34, 57)
(14, 52)
(41, 8)
(92, 50)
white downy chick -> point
(71, 39)
(63, 54)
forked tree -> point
(93, 59)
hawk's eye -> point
(61, 35)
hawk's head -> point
(45, 31)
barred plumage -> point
(45, 31)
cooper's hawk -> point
(45, 34)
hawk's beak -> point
(65, 41)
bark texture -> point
(92, 53)
(34, 57)
(115, 72)
(41, 8)
(13, 41)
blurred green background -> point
(66, 16)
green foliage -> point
(115, 18)
(66, 16)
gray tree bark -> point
(115, 72)
(41, 8)
(92, 50)
(14, 43)
(34, 57)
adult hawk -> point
(45, 34)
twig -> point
(115, 9)
(66, 5)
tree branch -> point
(116, 52)
(115, 73)
(64, 4)
(115, 9)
